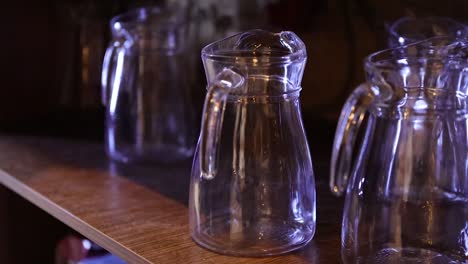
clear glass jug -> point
(145, 89)
(407, 196)
(408, 30)
(252, 189)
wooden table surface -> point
(138, 213)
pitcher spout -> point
(256, 54)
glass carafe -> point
(408, 30)
(407, 184)
(252, 188)
(145, 87)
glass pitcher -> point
(407, 196)
(252, 189)
(408, 30)
(144, 87)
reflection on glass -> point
(407, 30)
(252, 188)
(407, 194)
(145, 87)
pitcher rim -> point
(138, 13)
(370, 62)
(392, 29)
(296, 56)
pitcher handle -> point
(212, 120)
(351, 117)
(107, 64)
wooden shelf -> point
(137, 213)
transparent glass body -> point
(407, 189)
(252, 189)
(149, 115)
(408, 30)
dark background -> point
(51, 53)
(49, 88)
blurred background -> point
(52, 52)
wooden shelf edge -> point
(67, 218)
